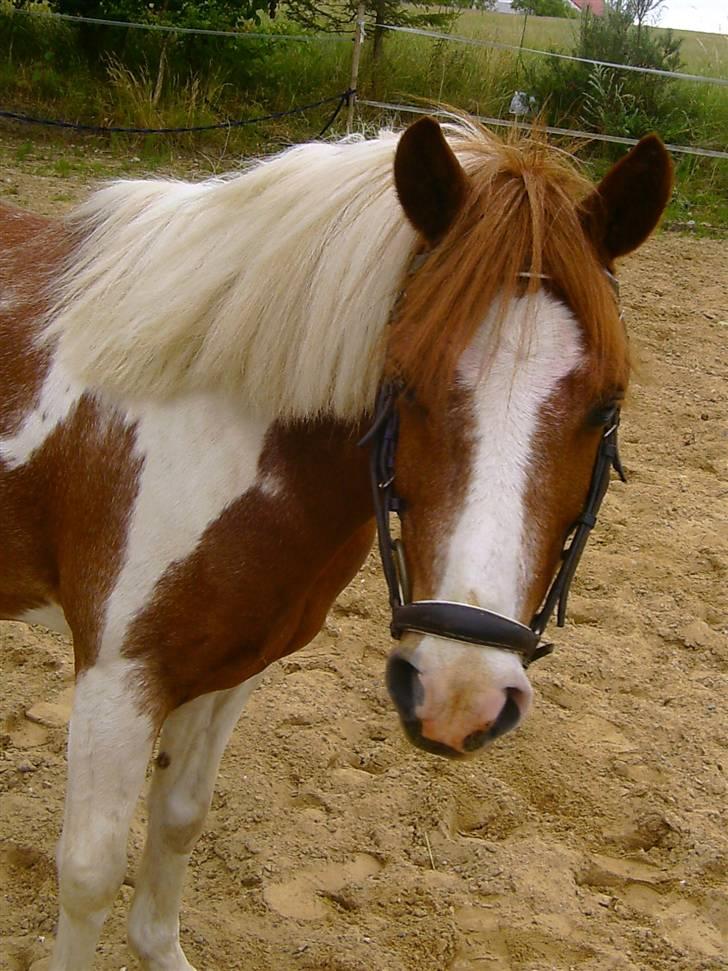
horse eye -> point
(603, 413)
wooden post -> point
(356, 56)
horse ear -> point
(626, 205)
(430, 181)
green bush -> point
(608, 100)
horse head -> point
(507, 363)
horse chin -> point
(413, 731)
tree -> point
(606, 99)
(641, 10)
(336, 16)
(160, 56)
(214, 14)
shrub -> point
(607, 100)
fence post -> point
(356, 55)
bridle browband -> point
(459, 621)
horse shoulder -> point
(261, 574)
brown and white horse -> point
(186, 371)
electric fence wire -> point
(572, 133)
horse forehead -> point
(531, 346)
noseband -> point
(459, 621)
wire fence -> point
(348, 36)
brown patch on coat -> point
(97, 479)
(30, 249)
(63, 514)
(63, 522)
(264, 574)
(565, 451)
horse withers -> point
(186, 373)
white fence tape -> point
(480, 42)
(591, 136)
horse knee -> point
(89, 877)
(182, 821)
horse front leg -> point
(192, 741)
(109, 744)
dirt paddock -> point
(594, 838)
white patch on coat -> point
(200, 453)
(58, 398)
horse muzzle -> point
(453, 698)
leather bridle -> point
(459, 621)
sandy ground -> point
(594, 838)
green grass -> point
(23, 151)
(41, 66)
(700, 199)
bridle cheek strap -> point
(607, 459)
(458, 621)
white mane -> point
(274, 284)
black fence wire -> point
(341, 99)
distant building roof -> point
(596, 6)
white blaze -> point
(487, 562)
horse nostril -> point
(405, 687)
(510, 715)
